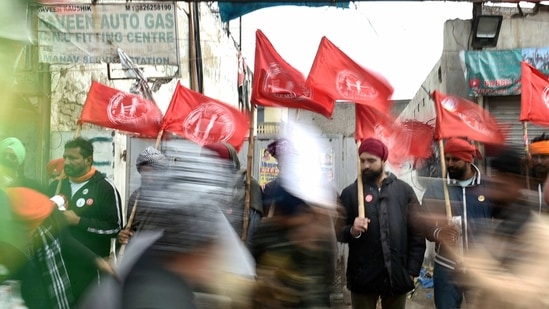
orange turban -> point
(461, 149)
(55, 165)
(539, 148)
(30, 205)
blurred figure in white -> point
(295, 249)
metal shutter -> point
(506, 109)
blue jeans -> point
(448, 295)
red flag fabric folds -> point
(204, 120)
(458, 117)
(534, 100)
(115, 109)
(406, 140)
(278, 84)
(343, 79)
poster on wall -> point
(327, 165)
(268, 167)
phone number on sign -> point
(148, 7)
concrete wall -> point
(70, 85)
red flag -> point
(204, 120)
(534, 100)
(343, 79)
(458, 117)
(242, 68)
(115, 109)
(406, 140)
(278, 84)
(420, 136)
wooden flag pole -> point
(360, 188)
(158, 139)
(249, 167)
(62, 174)
(129, 225)
(526, 154)
(444, 182)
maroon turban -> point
(461, 149)
(375, 147)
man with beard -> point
(386, 247)
(539, 163)
(471, 211)
(93, 211)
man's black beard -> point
(539, 172)
(457, 174)
(371, 176)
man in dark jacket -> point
(386, 247)
(94, 210)
(471, 212)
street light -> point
(485, 30)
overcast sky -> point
(400, 40)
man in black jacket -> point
(386, 246)
(94, 210)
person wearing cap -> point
(386, 247)
(470, 210)
(148, 162)
(94, 210)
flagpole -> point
(129, 226)
(526, 153)
(62, 175)
(444, 184)
(158, 139)
(360, 188)
(249, 167)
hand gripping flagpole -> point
(128, 226)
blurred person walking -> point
(295, 249)
(508, 268)
(235, 215)
(471, 212)
(183, 247)
(386, 247)
(94, 210)
(148, 163)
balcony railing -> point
(268, 128)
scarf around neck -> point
(84, 177)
